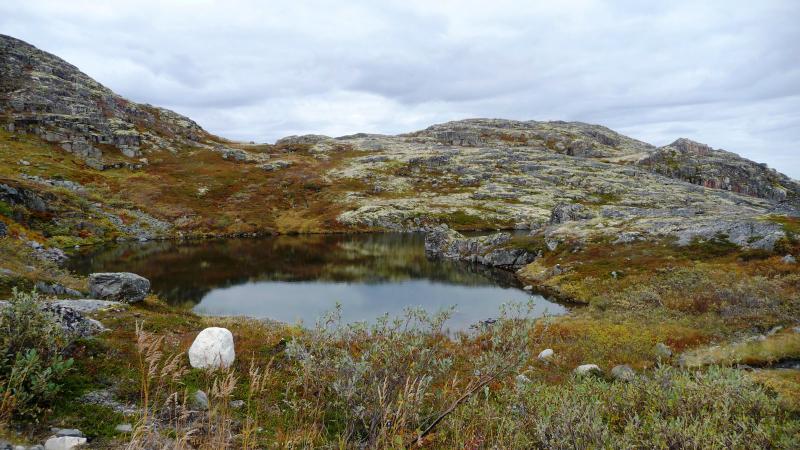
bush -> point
(389, 384)
(719, 408)
(31, 361)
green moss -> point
(6, 209)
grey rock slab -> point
(119, 286)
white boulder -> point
(546, 355)
(212, 349)
(64, 442)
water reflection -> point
(292, 278)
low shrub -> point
(31, 360)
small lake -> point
(299, 278)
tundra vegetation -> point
(679, 263)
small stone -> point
(237, 404)
(212, 348)
(789, 259)
(199, 401)
(587, 370)
(623, 372)
(124, 428)
(64, 442)
(663, 351)
(528, 288)
(546, 355)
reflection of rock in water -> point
(499, 277)
(183, 272)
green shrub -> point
(31, 360)
(670, 408)
(382, 385)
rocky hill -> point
(42, 94)
(561, 180)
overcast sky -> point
(726, 72)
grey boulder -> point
(119, 286)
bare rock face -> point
(717, 169)
(443, 242)
(118, 286)
(44, 95)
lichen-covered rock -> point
(623, 372)
(566, 213)
(663, 351)
(717, 169)
(588, 370)
(442, 242)
(212, 348)
(119, 286)
(56, 289)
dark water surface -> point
(298, 278)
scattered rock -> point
(199, 401)
(623, 372)
(86, 306)
(663, 351)
(124, 428)
(587, 370)
(212, 348)
(73, 432)
(3, 229)
(774, 330)
(237, 404)
(789, 259)
(74, 323)
(522, 381)
(64, 442)
(106, 398)
(546, 355)
(56, 289)
(528, 288)
(275, 165)
(119, 286)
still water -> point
(298, 278)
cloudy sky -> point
(725, 72)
